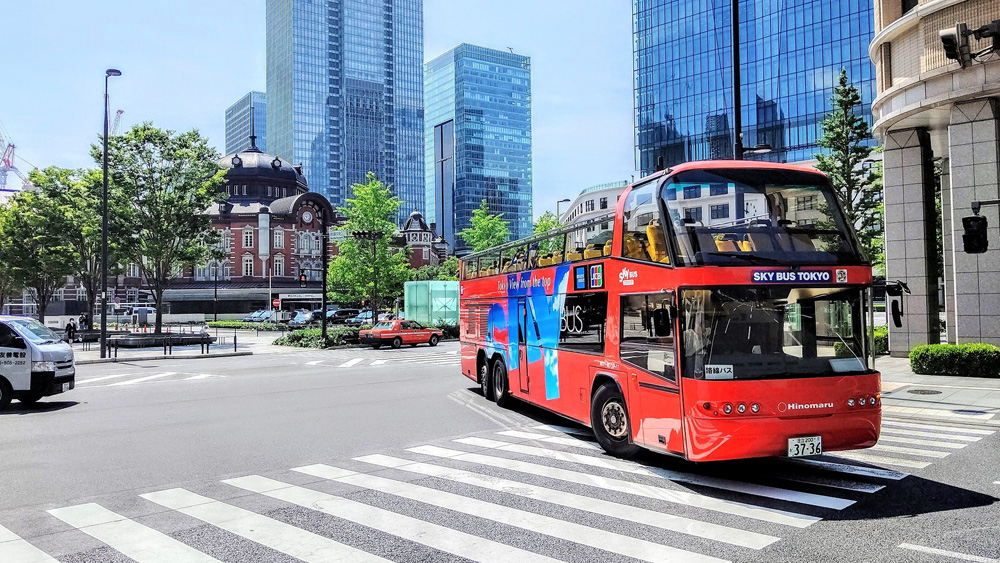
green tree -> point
(79, 194)
(369, 269)
(166, 182)
(34, 249)
(445, 271)
(487, 230)
(546, 222)
(858, 187)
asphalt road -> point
(353, 455)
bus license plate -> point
(805, 445)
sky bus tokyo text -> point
(723, 311)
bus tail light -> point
(741, 408)
(850, 402)
(706, 406)
(755, 408)
(862, 401)
(727, 408)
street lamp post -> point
(323, 240)
(558, 203)
(215, 298)
(104, 222)
(738, 149)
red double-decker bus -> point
(722, 311)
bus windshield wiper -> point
(747, 257)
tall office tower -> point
(791, 54)
(238, 122)
(345, 93)
(478, 139)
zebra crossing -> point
(126, 379)
(360, 357)
(533, 493)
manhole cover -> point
(924, 392)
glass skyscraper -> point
(478, 139)
(238, 122)
(345, 93)
(791, 54)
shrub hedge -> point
(881, 344)
(313, 337)
(972, 360)
(245, 326)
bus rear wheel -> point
(609, 419)
(484, 379)
(500, 390)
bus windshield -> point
(748, 216)
(745, 332)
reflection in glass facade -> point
(238, 123)
(345, 77)
(478, 139)
(791, 54)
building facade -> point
(345, 92)
(594, 201)
(791, 55)
(239, 126)
(478, 139)
(940, 123)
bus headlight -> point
(43, 366)
(727, 408)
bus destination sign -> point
(792, 277)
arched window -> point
(227, 270)
(305, 243)
(201, 272)
(279, 237)
(278, 266)
(248, 264)
(248, 237)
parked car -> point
(396, 333)
(250, 317)
(363, 318)
(301, 318)
(341, 316)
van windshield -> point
(34, 331)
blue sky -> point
(186, 61)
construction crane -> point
(7, 165)
(118, 122)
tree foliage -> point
(166, 181)
(371, 270)
(546, 222)
(446, 271)
(858, 187)
(34, 250)
(487, 230)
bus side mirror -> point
(896, 310)
(894, 290)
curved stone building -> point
(930, 112)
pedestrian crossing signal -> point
(975, 239)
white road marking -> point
(351, 362)
(315, 362)
(919, 426)
(143, 379)
(538, 523)
(920, 442)
(96, 379)
(909, 451)
(847, 468)
(937, 435)
(13, 549)
(562, 440)
(277, 535)
(379, 362)
(585, 432)
(941, 414)
(679, 476)
(602, 507)
(944, 553)
(433, 535)
(871, 458)
(618, 485)
(202, 376)
(131, 538)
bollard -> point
(234, 342)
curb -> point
(148, 358)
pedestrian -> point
(83, 321)
(71, 331)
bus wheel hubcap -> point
(614, 420)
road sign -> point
(276, 302)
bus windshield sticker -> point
(580, 277)
(841, 275)
(719, 371)
(597, 276)
(766, 276)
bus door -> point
(647, 348)
(522, 345)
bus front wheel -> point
(500, 390)
(609, 419)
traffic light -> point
(975, 239)
(956, 43)
(302, 280)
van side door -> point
(15, 359)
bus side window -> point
(647, 339)
(642, 232)
(581, 327)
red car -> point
(396, 333)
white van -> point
(34, 361)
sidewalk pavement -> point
(942, 398)
(247, 342)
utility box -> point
(431, 302)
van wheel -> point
(30, 398)
(434, 340)
(500, 389)
(397, 342)
(609, 419)
(484, 380)
(6, 393)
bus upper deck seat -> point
(592, 251)
(607, 248)
(726, 246)
(657, 246)
(545, 260)
(633, 247)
